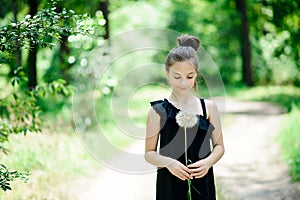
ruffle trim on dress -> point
(167, 110)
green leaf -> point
(15, 96)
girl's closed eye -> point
(190, 77)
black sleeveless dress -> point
(172, 144)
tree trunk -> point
(103, 6)
(31, 62)
(5, 7)
(18, 52)
(246, 47)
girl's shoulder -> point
(209, 102)
(154, 102)
(157, 108)
(164, 108)
(210, 107)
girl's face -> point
(181, 77)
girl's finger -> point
(197, 174)
(196, 170)
(186, 175)
(192, 165)
(180, 176)
(195, 165)
(200, 174)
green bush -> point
(284, 96)
(289, 139)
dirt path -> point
(109, 184)
(250, 169)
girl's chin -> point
(183, 90)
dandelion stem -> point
(189, 193)
(185, 147)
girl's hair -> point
(185, 51)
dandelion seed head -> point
(186, 120)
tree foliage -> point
(19, 111)
(46, 25)
(273, 30)
(7, 176)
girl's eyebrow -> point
(187, 74)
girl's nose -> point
(184, 82)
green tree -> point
(251, 42)
(241, 6)
(217, 24)
(19, 112)
(98, 12)
(274, 29)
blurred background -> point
(44, 44)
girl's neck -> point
(182, 98)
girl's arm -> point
(217, 136)
(202, 166)
(151, 155)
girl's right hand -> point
(179, 170)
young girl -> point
(205, 139)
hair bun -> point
(189, 40)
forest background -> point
(43, 44)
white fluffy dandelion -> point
(186, 120)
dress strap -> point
(203, 107)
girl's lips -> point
(183, 88)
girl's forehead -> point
(183, 68)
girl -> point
(205, 142)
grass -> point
(221, 194)
(52, 160)
(289, 140)
(284, 96)
(56, 158)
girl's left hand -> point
(199, 168)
